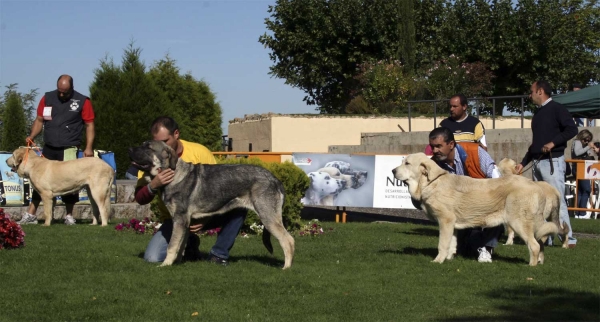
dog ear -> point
(431, 170)
(169, 157)
(172, 159)
(20, 155)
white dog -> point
(343, 166)
(356, 179)
(322, 185)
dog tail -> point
(547, 228)
(266, 238)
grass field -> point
(355, 272)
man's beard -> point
(65, 98)
(439, 157)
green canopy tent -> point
(584, 103)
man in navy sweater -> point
(552, 126)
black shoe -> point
(217, 260)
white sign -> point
(388, 191)
(592, 169)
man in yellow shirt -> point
(465, 127)
(166, 129)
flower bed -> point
(11, 234)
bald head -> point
(64, 85)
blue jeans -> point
(584, 188)
(230, 223)
(541, 172)
(130, 176)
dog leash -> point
(33, 146)
(538, 160)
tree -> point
(317, 45)
(125, 102)
(191, 102)
(521, 41)
(384, 85)
(128, 98)
(13, 118)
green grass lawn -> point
(356, 272)
(586, 226)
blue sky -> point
(216, 41)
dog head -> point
(16, 159)
(343, 166)
(418, 171)
(358, 178)
(324, 184)
(507, 167)
(152, 156)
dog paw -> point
(438, 260)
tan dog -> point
(507, 168)
(55, 178)
(458, 202)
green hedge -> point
(295, 182)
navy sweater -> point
(551, 123)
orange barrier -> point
(263, 156)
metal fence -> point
(477, 107)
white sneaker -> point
(588, 215)
(28, 219)
(484, 255)
(69, 220)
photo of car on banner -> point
(353, 180)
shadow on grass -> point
(535, 303)
(423, 232)
(432, 252)
(265, 260)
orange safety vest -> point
(471, 159)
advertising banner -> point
(12, 188)
(353, 180)
(592, 169)
(337, 179)
(388, 191)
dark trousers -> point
(470, 239)
(57, 154)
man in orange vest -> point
(467, 159)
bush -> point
(295, 182)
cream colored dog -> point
(507, 168)
(458, 202)
(54, 178)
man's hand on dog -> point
(164, 177)
(88, 152)
(196, 228)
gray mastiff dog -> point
(202, 190)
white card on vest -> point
(47, 114)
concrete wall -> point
(294, 134)
(504, 143)
(258, 133)
(304, 133)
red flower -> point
(11, 234)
